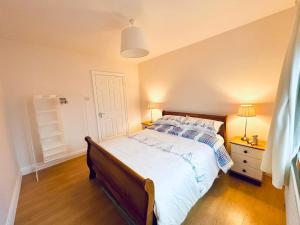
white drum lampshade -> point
(133, 44)
(246, 111)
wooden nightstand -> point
(247, 159)
(146, 124)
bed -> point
(151, 183)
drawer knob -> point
(245, 151)
(245, 161)
(244, 170)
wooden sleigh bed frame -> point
(133, 193)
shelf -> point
(49, 123)
(50, 154)
(46, 111)
(57, 156)
(45, 97)
(54, 134)
(48, 157)
(47, 148)
(50, 127)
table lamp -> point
(151, 106)
(246, 111)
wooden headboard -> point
(223, 119)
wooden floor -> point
(65, 196)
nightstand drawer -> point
(247, 171)
(246, 151)
(245, 160)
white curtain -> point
(284, 135)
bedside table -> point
(146, 124)
(247, 159)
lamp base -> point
(244, 138)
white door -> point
(109, 95)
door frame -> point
(95, 73)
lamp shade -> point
(152, 105)
(246, 111)
(133, 44)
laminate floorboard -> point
(65, 196)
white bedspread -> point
(174, 176)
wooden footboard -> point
(132, 192)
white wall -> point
(27, 70)
(9, 171)
(216, 75)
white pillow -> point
(203, 123)
(171, 120)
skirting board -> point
(10, 219)
(31, 168)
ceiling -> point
(93, 26)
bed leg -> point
(88, 160)
(92, 174)
(89, 164)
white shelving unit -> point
(50, 127)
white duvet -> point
(176, 186)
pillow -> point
(212, 139)
(171, 120)
(191, 134)
(198, 123)
(163, 128)
(175, 130)
(202, 135)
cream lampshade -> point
(246, 111)
(133, 44)
(153, 105)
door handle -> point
(100, 114)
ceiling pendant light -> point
(133, 44)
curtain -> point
(284, 135)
